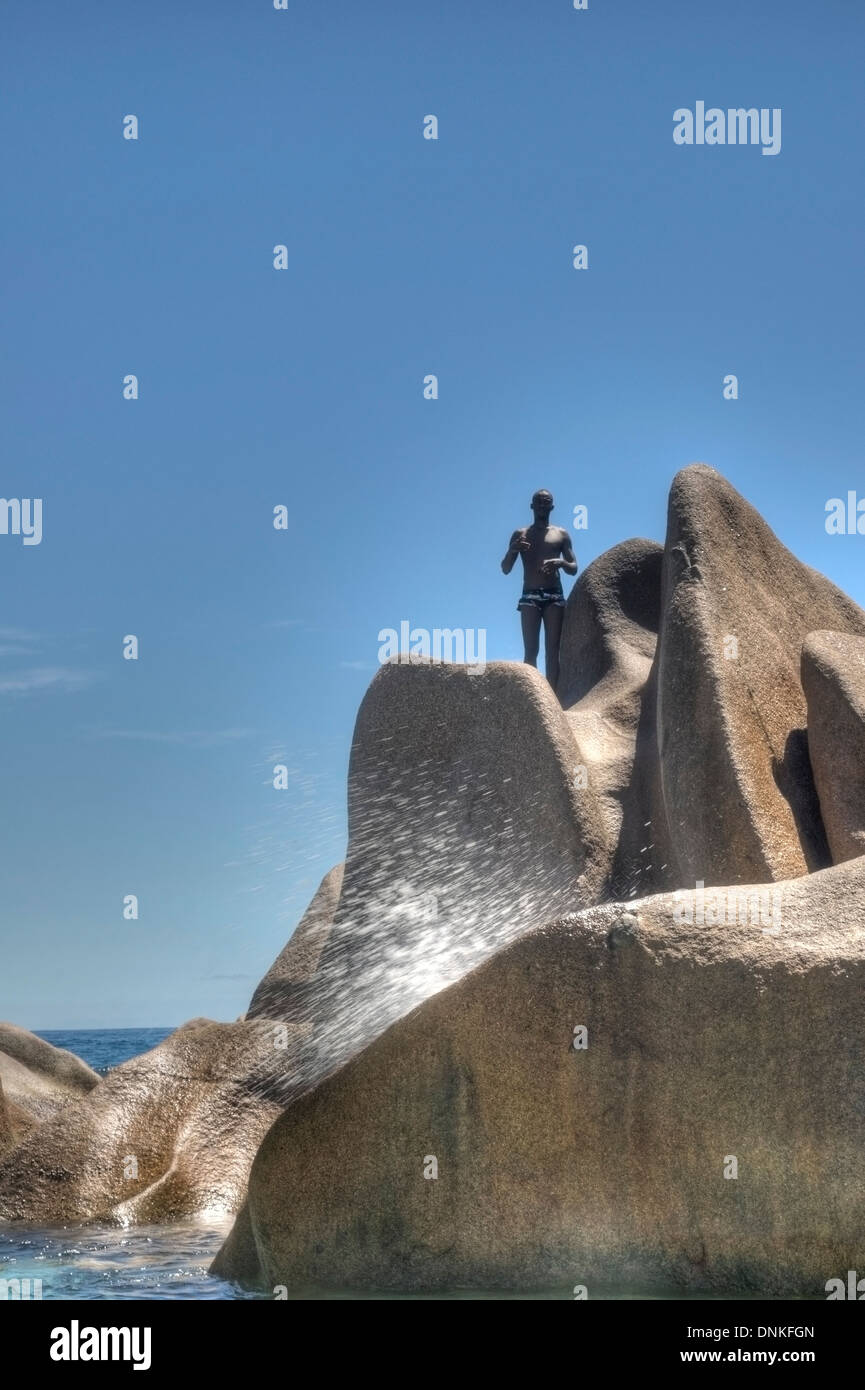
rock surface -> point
(735, 774)
(62, 1067)
(466, 828)
(708, 1042)
(609, 637)
(610, 628)
(38, 1080)
(7, 1138)
(284, 992)
(833, 676)
(166, 1135)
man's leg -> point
(552, 637)
(531, 620)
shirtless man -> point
(545, 550)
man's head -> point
(542, 504)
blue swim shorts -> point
(541, 599)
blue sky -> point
(304, 387)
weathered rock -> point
(7, 1138)
(166, 1135)
(38, 1079)
(833, 677)
(609, 637)
(284, 992)
(736, 778)
(37, 1055)
(17, 1123)
(610, 630)
(466, 829)
(707, 1042)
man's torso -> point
(545, 545)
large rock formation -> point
(38, 1080)
(479, 809)
(709, 1134)
(833, 676)
(680, 680)
(737, 606)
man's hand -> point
(517, 545)
(549, 567)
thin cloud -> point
(17, 641)
(54, 678)
(189, 738)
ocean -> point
(104, 1048)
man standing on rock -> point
(545, 551)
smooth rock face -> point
(284, 993)
(736, 778)
(708, 1042)
(466, 829)
(609, 636)
(38, 1080)
(833, 677)
(610, 628)
(190, 1114)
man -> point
(546, 550)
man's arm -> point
(518, 543)
(569, 559)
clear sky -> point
(304, 387)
